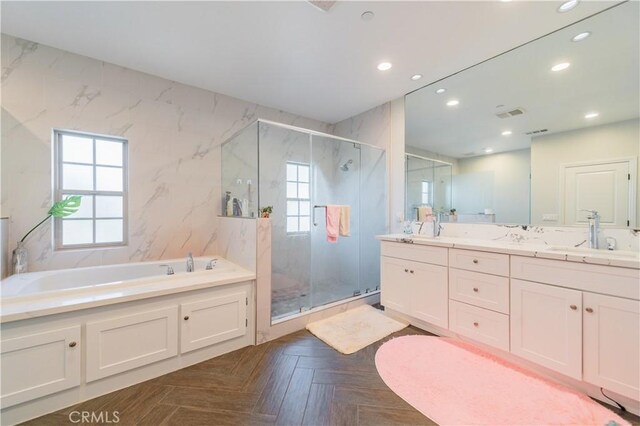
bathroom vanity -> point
(570, 311)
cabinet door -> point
(546, 326)
(214, 320)
(395, 284)
(40, 364)
(612, 343)
(123, 343)
(429, 295)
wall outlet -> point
(550, 217)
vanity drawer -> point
(480, 261)
(610, 280)
(479, 324)
(417, 253)
(482, 290)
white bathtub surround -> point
(626, 239)
(95, 330)
(236, 239)
(174, 133)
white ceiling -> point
(290, 55)
(603, 77)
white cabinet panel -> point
(429, 295)
(479, 324)
(612, 343)
(483, 290)
(395, 284)
(480, 261)
(40, 364)
(546, 326)
(120, 344)
(213, 320)
(415, 252)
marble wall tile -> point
(174, 133)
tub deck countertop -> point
(20, 307)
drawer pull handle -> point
(411, 271)
(476, 324)
(573, 307)
(475, 261)
(590, 310)
(72, 344)
(186, 318)
(475, 289)
(406, 270)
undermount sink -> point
(587, 251)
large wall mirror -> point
(537, 134)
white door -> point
(546, 326)
(39, 364)
(612, 343)
(603, 187)
(395, 284)
(429, 293)
(214, 320)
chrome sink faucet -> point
(594, 228)
(190, 267)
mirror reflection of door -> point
(603, 186)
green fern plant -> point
(62, 208)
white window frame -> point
(298, 199)
(59, 192)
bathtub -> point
(75, 334)
(43, 293)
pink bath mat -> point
(455, 383)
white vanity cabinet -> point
(576, 318)
(417, 287)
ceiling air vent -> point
(512, 113)
(537, 132)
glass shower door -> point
(335, 180)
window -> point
(298, 201)
(94, 167)
(426, 192)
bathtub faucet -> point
(190, 267)
(211, 264)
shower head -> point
(345, 166)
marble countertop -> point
(37, 305)
(623, 259)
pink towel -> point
(333, 223)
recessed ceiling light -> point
(453, 102)
(591, 115)
(367, 16)
(384, 66)
(416, 77)
(561, 66)
(567, 6)
(441, 91)
(488, 150)
(581, 36)
(506, 133)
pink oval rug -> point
(456, 383)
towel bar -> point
(314, 213)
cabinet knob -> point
(573, 307)
(186, 318)
(406, 270)
(476, 324)
(411, 271)
(72, 344)
(475, 289)
(590, 310)
(475, 261)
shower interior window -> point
(298, 199)
(426, 192)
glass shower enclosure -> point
(299, 172)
